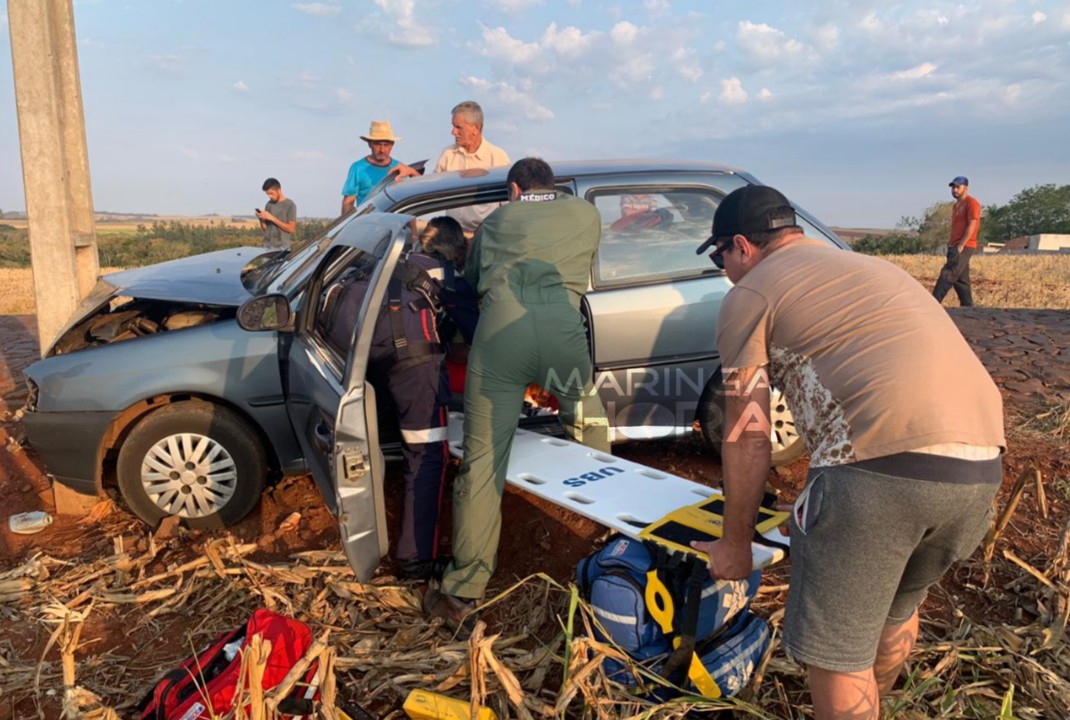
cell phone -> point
(258, 210)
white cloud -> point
(1039, 17)
(306, 79)
(411, 33)
(687, 64)
(343, 96)
(172, 63)
(513, 6)
(765, 94)
(499, 45)
(914, 73)
(306, 155)
(624, 33)
(519, 99)
(318, 9)
(767, 46)
(870, 23)
(827, 37)
(656, 7)
(732, 92)
(1066, 21)
(635, 71)
(567, 42)
(1011, 94)
(241, 87)
(994, 26)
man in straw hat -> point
(369, 171)
(904, 451)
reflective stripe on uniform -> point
(424, 435)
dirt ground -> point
(1024, 350)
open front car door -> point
(331, 405)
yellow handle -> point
(701, 678)
(659, 605)
(659, 602)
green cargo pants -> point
(515, 344)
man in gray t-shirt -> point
(278, 219)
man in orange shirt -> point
(965, 222)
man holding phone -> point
(278, 219)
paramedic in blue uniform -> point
(408, 361)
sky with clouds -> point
(860, 111)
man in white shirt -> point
(470, 151)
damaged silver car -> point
(190, 384)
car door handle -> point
(321, 437)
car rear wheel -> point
(787, 445)
(194, 460)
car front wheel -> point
(194, 460)
(787, 445)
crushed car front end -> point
(146, 338)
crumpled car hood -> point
(212, 278)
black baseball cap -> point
(750, 209)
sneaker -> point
(423, 570)
(457, 614)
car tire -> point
(196, 460)
(787, 445)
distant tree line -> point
(14, 247)
(1035, 210)
(154, 243)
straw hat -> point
(380, 130)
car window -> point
(651, 234)
(301, 260)
(339, 293)
(450, 206)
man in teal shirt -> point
(369, 171)
(530, 263)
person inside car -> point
(639, 211)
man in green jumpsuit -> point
(530, 262)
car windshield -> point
(264, 269)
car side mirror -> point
(267, 312)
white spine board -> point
(622, 495)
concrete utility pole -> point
(55, 161)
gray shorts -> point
(865, 547)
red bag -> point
(204, 686)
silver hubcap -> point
(189, 475)
(783, 432)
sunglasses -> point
(717, 256)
